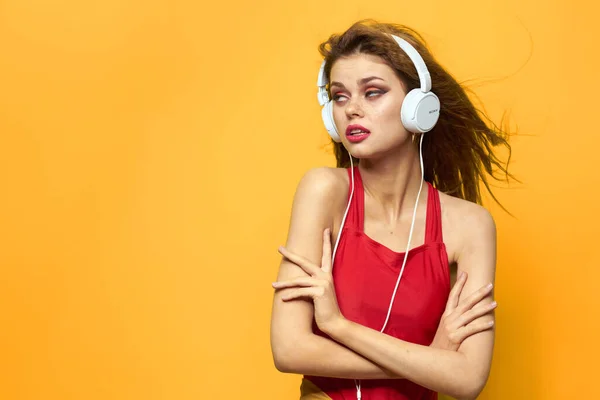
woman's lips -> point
(359, 137)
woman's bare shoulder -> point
(461, 220)
(325, 177)
(461, 208)
(327, 183)
(327, 187)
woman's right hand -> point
(458, 321)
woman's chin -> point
(363, 154)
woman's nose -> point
(354, 108)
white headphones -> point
(420, 108)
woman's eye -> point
(373, 92)
(369, 93)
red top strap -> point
(355, 216)
(433, 227)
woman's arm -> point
(463, 373)
(294, 346)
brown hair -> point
(458, 151)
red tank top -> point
(365, 274)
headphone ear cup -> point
(420, 111)
(327, 115)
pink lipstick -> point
(357, 133)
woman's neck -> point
(393, 182)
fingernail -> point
(491, 323)
(462, 274)
(275, 284)
(280, 248)
(489, 286)
(493, 304)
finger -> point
(309, 292)
(326, 262)
(300, 261)
(303, 281)
(456, 291)
(478, 311)
(474, 298)
(471, 329)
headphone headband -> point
(417, 60)
(322, 95)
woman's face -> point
(367, 95)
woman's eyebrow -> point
(360, 82)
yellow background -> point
(149, 152)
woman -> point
(370, 321)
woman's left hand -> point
(318, 286)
